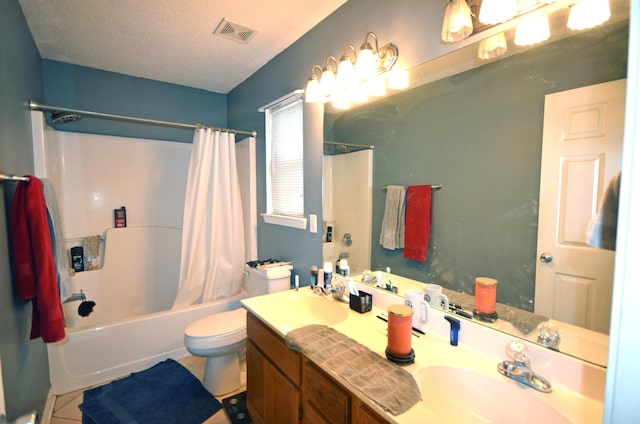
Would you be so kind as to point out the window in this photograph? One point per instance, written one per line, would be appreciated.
(284, 162)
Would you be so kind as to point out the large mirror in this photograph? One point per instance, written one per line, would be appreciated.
(476, 127)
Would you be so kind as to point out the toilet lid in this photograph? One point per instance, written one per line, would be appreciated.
(221, 324)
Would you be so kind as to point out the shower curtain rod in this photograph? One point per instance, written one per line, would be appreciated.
(130, 119)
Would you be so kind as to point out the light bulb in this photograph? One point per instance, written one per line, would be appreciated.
(358, 93)
(588, 13)
(341, 100)
(313, 93)
(457, 23)
(492, 47)
(366, 63)
(493, 12)
(532, 29)
(377, 86)
(328, 82)
(345, 73)
(398, 79)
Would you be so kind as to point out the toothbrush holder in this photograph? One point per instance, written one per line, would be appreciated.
(361, 303)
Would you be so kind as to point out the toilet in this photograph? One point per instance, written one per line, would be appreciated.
(221, 337)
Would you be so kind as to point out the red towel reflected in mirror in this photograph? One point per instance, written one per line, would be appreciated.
(418, 222)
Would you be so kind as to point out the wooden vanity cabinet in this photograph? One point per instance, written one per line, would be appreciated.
(323, 401)
(284, 387)
(273, 377)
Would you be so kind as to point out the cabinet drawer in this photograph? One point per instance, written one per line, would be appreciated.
(274, 348)
(325, 395)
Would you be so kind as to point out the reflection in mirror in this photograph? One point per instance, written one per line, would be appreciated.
(346, 231)
(479, 133)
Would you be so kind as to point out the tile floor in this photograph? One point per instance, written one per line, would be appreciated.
(66, 411)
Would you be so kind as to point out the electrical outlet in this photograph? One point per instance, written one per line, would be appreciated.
(313, 223)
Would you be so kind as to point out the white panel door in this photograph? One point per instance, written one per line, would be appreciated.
(581, 152)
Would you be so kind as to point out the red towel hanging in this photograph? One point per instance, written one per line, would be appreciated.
(36, 277)
(418, 222)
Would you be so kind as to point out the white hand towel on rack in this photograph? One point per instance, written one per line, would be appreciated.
(392, 234)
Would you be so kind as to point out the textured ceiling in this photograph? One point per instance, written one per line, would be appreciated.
(171, 40)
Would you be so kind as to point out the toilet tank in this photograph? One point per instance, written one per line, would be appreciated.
(264, 280)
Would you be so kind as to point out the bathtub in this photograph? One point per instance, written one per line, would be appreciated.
(133, 326)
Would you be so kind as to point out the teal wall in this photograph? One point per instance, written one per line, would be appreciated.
(414, 25)
(25, 372)
(79, 87)
(479, 134)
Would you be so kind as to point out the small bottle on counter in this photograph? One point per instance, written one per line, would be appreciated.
(328, 274)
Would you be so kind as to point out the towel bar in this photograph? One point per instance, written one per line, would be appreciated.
(6, 178)
(433, 187)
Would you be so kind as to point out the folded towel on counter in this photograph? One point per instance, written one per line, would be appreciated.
(384, 382)
(603, 228)
(392, 234)
(36, 277)
(418, 222)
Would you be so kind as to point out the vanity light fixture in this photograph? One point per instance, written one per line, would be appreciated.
(328, 80)
(532, 30)
(492, 47)
(346, 73)
(493, 12)
(457, 24)
(356, 77)
(588, 13)
(313, 92)
(530, 15)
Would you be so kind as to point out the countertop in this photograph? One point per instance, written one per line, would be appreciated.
(284, 311)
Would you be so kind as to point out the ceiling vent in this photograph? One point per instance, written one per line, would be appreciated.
(234, 31)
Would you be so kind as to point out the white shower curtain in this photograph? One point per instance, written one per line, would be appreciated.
(213, 254)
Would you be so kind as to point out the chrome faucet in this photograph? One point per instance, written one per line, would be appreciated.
(548, 335)
(518, 367)
(75, 296)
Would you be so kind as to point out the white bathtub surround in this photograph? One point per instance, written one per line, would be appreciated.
(213, 250)
(132, 327)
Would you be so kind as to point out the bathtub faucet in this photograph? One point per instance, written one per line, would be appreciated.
(75, 296)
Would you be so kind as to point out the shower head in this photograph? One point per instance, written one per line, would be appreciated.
(64, 117)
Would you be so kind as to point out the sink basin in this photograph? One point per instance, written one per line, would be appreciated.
(301, 310)
(463, 395)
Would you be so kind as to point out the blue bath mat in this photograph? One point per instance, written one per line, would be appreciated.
(165, 393)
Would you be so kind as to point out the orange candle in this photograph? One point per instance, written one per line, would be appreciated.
(486, 295)
(399, 329)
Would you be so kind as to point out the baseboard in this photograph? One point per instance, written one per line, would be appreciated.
(48, 408)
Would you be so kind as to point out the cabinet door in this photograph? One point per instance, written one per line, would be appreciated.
(282, 398)
(365, 415)
(324, 395)
(310, 415)
(255, 383)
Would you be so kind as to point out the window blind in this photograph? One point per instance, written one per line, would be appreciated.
(285, 155)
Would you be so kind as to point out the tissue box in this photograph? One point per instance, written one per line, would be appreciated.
(361, 303)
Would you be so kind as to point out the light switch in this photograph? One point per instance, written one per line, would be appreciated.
(313, 223)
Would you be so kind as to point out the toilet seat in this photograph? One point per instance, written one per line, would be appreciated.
(217, 330)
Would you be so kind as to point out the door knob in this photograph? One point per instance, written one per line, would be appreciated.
(546, 257)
